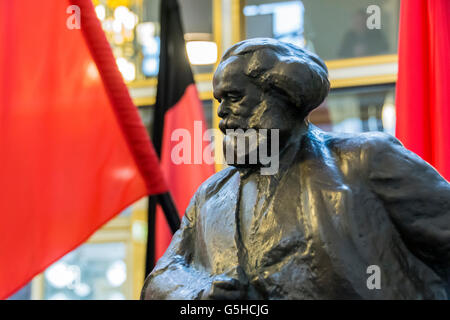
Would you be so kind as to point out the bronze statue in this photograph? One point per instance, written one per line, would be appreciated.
(339, 206)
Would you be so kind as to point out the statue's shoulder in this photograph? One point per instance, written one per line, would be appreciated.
(372, 144)
(359, 150)
(215, 182)
(365, 142)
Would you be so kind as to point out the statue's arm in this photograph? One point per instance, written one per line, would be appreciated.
(416, 197)
(173, 277)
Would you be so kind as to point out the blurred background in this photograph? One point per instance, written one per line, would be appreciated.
(363, 70)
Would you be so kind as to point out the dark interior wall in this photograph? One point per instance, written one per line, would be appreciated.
(196, 15)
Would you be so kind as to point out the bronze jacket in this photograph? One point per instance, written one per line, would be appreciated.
(342, 203)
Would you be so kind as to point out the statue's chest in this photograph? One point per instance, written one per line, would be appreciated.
(288, 232)
(280, 232)
(253, 223)
(270, 221)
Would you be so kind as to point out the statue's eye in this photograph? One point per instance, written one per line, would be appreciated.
(234, 97)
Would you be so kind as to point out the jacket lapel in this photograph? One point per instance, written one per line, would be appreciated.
(218, 223)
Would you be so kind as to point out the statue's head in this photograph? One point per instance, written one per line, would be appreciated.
(263, 83)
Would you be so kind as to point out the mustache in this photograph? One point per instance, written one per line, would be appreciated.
(233, 124)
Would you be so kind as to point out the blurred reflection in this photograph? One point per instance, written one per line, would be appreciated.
(330, 28)
(357, 109)
(361, 41)
(119, 20)
(92, 271)
(374, 100)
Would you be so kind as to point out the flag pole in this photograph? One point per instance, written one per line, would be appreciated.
(170, 212)
(165, 200)
(150, 256)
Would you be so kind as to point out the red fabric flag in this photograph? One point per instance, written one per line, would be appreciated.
(74, 152)
(423, 87)
(177, 107)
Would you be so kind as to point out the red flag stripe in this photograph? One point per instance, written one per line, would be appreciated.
(124, 108)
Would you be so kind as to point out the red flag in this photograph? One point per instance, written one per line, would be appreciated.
(177, 107)
(423, 87)
(74, 152)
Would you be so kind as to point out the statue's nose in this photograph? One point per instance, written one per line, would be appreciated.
(223, 110)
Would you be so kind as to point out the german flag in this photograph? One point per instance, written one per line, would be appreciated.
(177, 107)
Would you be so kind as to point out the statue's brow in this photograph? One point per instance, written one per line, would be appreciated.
(228, 90)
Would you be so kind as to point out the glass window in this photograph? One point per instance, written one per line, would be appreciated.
(94, 271)
(357, 109)
(282, 20)
(333, 29)
(22, 294)
(133, 30)
(119, 20)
